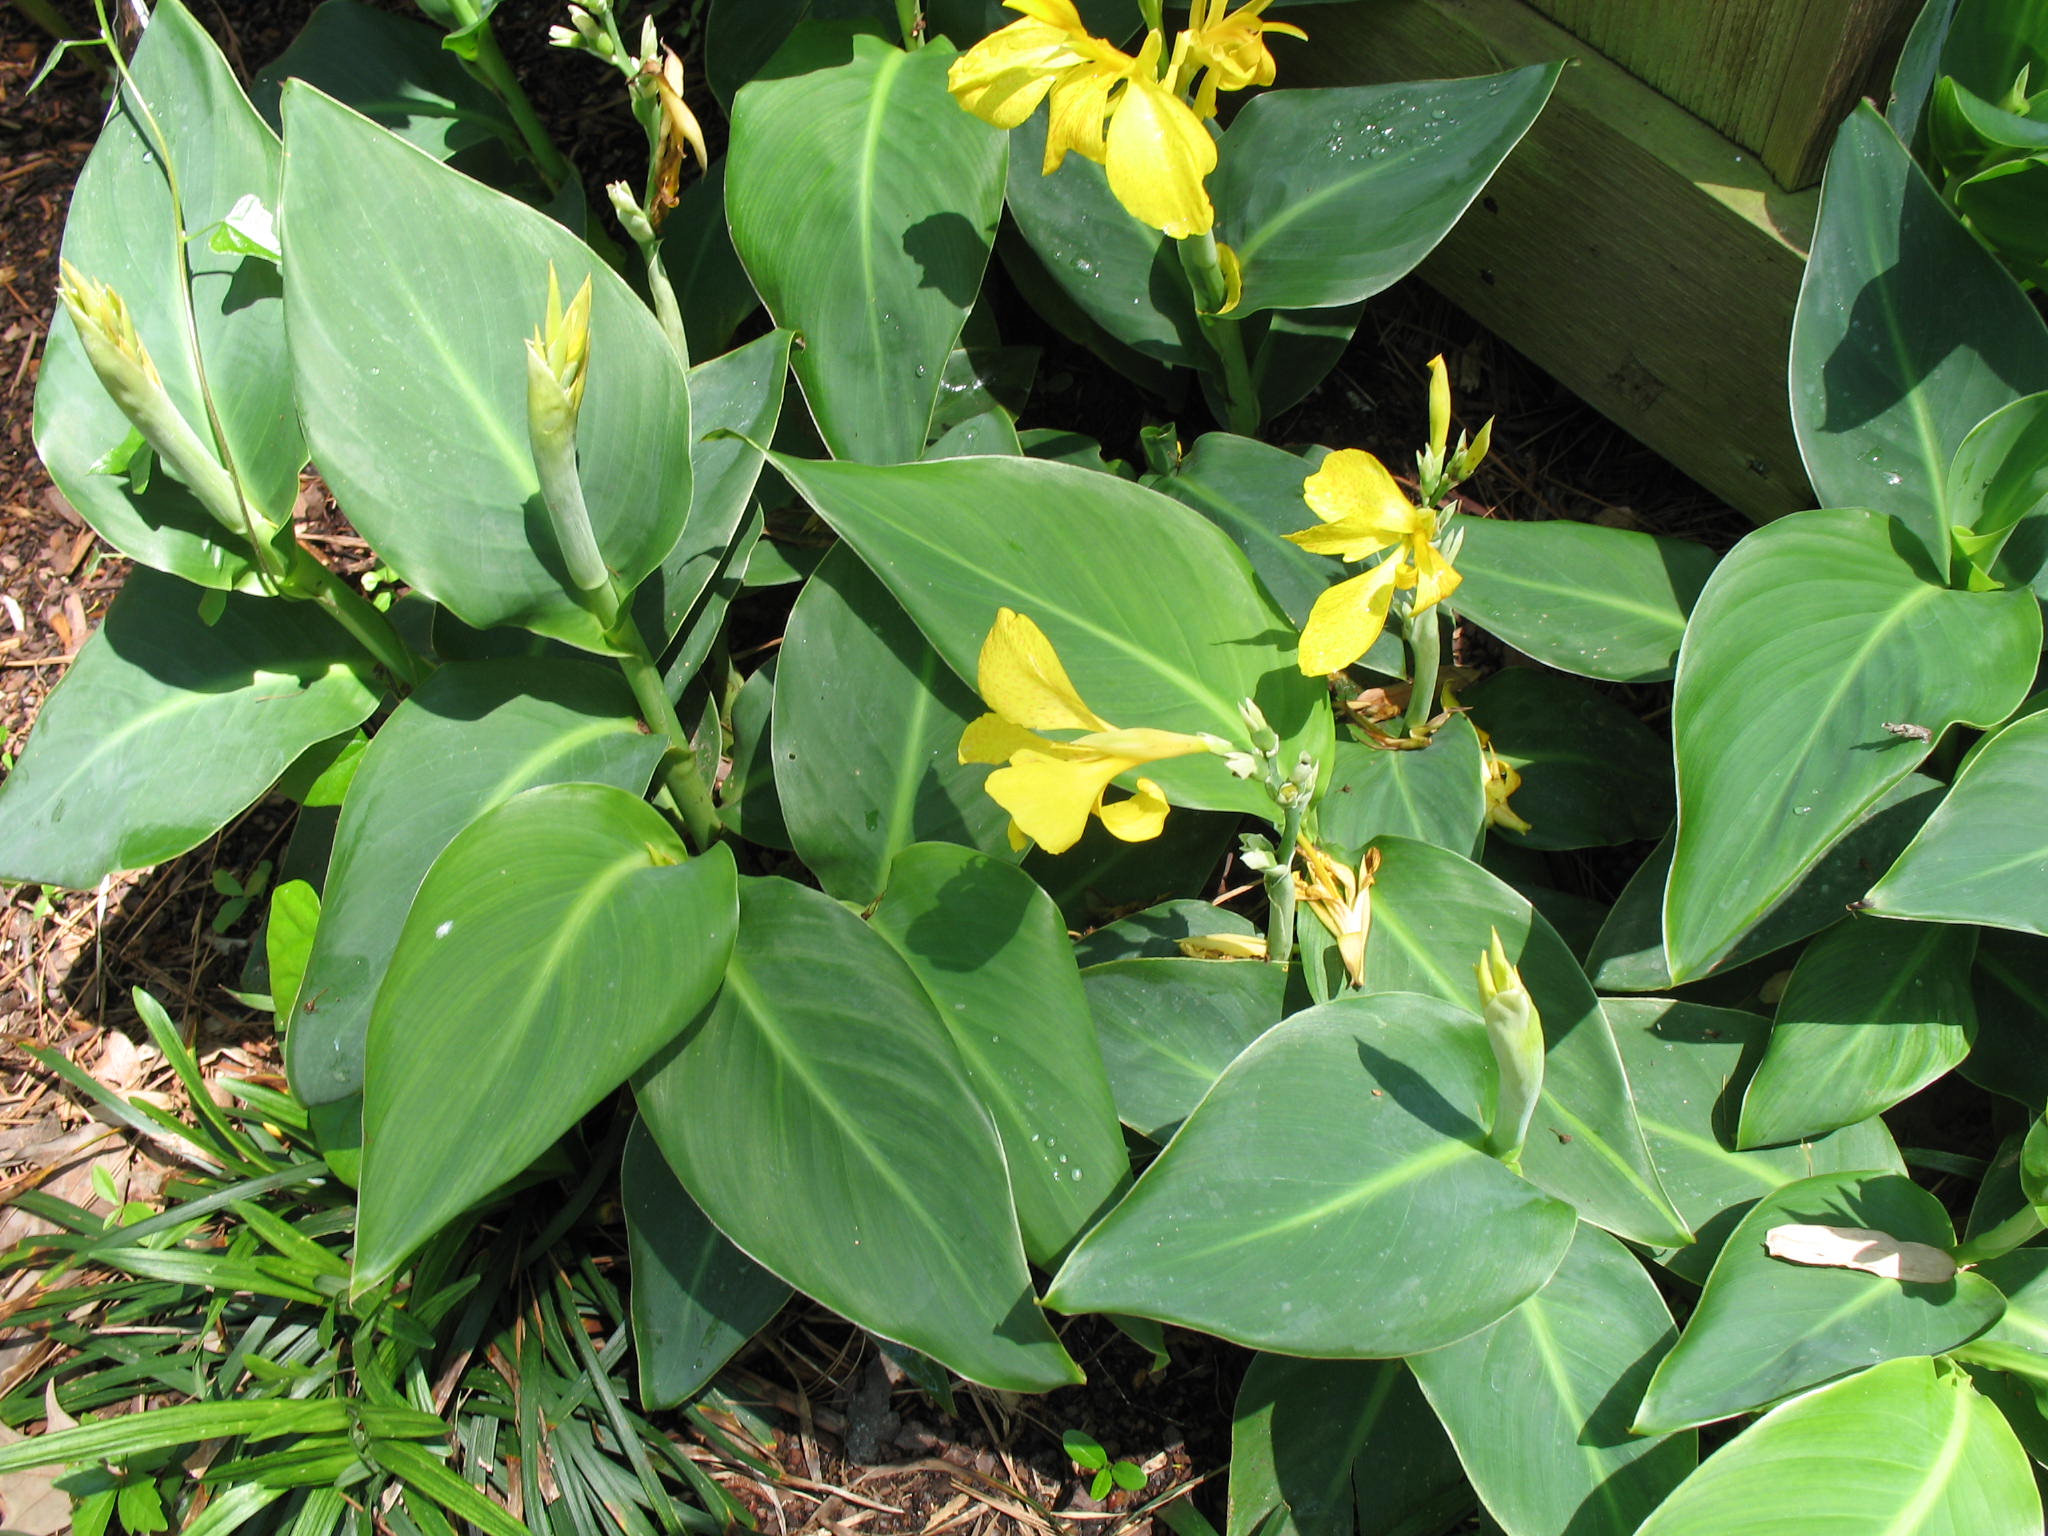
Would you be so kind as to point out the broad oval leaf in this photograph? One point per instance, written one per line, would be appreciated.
(1538, 1405)
(1436, 794)
(413, 292)
(863, 202)
(123, 230)
(1998, 493)
(1331, 196)
(1592, 773)
(1815, 634)
(883, 1193)
(557, 943)
(2012, 1017)
(1874, 1012)
(1432, 916)
(166, 727)
(1766, 1328)
(1908, 1448)
(1156, 932)
(867, 723)
(1284, 1213)
(1151, 609)
(1170, 1026)
(471, 737)
(1599, 602)
(1908, 333)
(1983, 855)
(696, 1299)
(1687, 1068)
(991, 951)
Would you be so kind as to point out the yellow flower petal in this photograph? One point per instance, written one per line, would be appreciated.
(1159, 153)
(1138, 819)
(1050, 797)
(1352, 485)
(991, 739)
(1021, 679)
(1435, 579)
(1439, 406)
(1080, 106)
(1347, 619)
(1141, 745)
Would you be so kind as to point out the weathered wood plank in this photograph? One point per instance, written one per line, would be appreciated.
(1773, 75)
(1634, 253)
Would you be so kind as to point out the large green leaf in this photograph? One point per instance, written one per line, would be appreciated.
(471, 737)
(1687, 1068)
(1766, 1328)
(1983, 855)
(864, 202)
(2018, 1341)
(166, 727)
(1303, 1429)
(696, 1299)
(413, 292)
(1169, 1026)
(1538, 1405)
(882, 1192)
(1100, 878)
(2012, 1017)
(1813, 635)
(867, 731)
(1156, 932)
(1432, 916)
(1907, 1448)
(1988, 42)
(558, 942)
(1592, 774)
(712, 289)
(991, 951)
(1330, 1196)
(1436, 794)
(1874, 1012)
(1153, 612)
(1330, 196)
(123, 230)
(1998, 493)
(1598, 602)
(1908, 333)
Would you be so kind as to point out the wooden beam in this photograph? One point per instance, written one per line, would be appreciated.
(1630, 250)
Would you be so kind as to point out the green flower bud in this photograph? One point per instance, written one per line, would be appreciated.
(1515, 1031)
(556, 357)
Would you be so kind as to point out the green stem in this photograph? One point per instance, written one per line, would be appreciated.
(911, 23)
(370, 628)
(1425, 646)
(680, 775)
(497, 74)
(2022, 1226)
(1204, 269)
(46, 16)
(666, 308)
(1280, 887)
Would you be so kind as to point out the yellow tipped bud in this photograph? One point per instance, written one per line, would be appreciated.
(1439, 408)
(562, 343)
(1515, 1030)
(557, 360)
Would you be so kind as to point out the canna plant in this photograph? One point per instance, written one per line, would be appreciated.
(891, 948)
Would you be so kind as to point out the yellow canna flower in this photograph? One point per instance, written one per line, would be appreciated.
(1230, 51)
(1364, 511)
(1106, 106)
(1501, 780)
(681, 134)
(1341, 899)
(1051, 788)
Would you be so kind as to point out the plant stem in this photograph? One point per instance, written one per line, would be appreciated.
(680, 775)
(1280, 887)
(1204, 271)
(46, 16)
(2022, 1226)
(370, 628)
(1425, 645)
(666, 309)
(497, 74)
(911, 23)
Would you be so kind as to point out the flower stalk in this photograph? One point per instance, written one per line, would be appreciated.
(1515, 1030)
(557, 363)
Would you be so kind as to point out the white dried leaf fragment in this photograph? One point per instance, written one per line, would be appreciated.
(1875, 1253)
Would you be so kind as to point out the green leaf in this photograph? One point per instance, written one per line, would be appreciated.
(558, 942)
(1687, 1068)
(696, 1299)
(1592, 774)
(2018, 1341)
(1154, 933)
(1099, 877)
(883, 1193)
(1988, 42)
(288, 940)
(1998, 493)
(1907, 1448)
(745, 35)
(411, 275)
(1293, 350)
(1538, 1404)
(166, 728)
(863, 202)
(1814, 634)
(1435, 795)
(1153, 612)
(712, 288)
(2012, 1017)
(1908, 333)
(123, 231)
(419, 1470)
(1628, 954)
(1874, 1012)
(1432, 917)
(1983, 853)
(135, 1434)
(1282, 1214)
(1598, 602)
(991, 951)
(1169, 1027)
(867, 736)
(1331, 196)
(747, 802)
(1300, 1430)
(471, 737)
(1766, 1328)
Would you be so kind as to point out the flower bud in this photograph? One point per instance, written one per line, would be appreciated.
(632, 217)
(1439, 408)
(1515, 1030)
(556, 359)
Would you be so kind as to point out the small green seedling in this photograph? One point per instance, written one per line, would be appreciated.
(1087, 1453)
(239, 893)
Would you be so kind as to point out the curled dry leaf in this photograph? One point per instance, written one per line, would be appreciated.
(1875, 1253)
